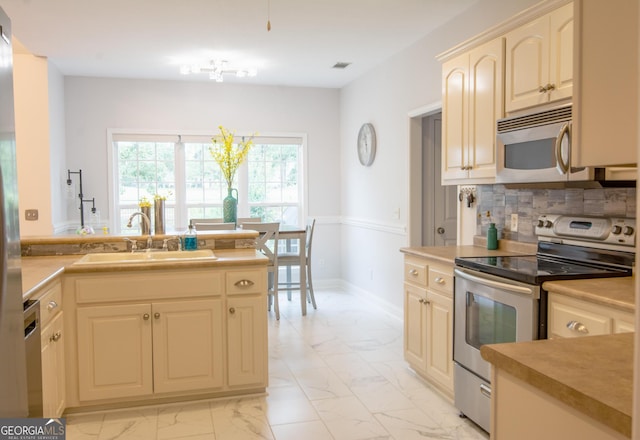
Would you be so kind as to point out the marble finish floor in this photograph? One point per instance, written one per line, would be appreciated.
(337, 373)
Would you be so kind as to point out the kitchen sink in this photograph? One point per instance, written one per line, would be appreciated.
(146, 257)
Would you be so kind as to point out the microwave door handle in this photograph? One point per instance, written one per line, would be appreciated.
(561, 165)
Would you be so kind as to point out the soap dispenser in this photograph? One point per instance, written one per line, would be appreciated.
(191, 239)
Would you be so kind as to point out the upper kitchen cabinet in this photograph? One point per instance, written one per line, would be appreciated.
(472, 101)
(539, 61)
(605, 115)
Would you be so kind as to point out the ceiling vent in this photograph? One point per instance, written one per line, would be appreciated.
(340, 65)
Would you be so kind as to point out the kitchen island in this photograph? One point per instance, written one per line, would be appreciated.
(128, 330)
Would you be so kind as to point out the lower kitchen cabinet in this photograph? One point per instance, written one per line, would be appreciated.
(147, 335)
(572, 317)
(428, 320)
(139, 349)
(53, 380)
(52, 349)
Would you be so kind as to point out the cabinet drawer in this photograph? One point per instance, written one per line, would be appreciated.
(415, 272)
(50, 302)
(441, 279)
(568, 321)
(246, 281)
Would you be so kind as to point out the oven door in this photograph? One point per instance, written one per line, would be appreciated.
(490, 310)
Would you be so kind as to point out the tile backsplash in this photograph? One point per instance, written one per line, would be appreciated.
(500, 202)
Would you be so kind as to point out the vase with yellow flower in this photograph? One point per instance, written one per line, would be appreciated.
(229, 154)
(145, 207)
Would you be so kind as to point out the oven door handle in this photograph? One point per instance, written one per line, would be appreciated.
(495, 284)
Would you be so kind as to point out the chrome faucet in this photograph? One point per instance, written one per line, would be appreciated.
(147, 222)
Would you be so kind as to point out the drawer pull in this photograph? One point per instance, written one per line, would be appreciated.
(577, 327)
(413, 272)
(52, 305)
(244, 283)
(232, 310)
(485, 390)
(55, 337)
(439, 280)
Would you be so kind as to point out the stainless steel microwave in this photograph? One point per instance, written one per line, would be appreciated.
(536, 147)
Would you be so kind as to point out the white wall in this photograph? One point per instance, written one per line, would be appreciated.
(93, 105)
(409, 80)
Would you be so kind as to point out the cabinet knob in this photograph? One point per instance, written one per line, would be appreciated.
(52, 305)
(577, 326)
(542, 89)
(145, 316)
(156, 315)
(56, 336)
(244, 283)
(424, 301)
(232, 310)
(439, 280)
(551, 87)
(413, 272)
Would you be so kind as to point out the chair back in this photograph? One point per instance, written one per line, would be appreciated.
(213, 226)
(268, 232)
(195, 221)
(249, 220)
(311, 225)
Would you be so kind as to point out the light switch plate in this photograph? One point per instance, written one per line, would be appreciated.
(31, 214)
(514, 222)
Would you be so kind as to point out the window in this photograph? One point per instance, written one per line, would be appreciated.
(180, 168)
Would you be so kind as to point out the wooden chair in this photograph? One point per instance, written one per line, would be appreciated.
(213, 226)
(267, 243)
(242, 220)
(292, 259)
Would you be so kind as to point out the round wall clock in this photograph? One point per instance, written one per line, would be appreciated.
(366, 144)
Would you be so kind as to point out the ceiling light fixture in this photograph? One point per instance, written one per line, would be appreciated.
(217, 69)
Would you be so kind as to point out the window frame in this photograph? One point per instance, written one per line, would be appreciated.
(177, 137)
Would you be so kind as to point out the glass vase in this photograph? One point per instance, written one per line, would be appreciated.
(230, 207)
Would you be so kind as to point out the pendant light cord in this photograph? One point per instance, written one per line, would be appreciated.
(268, 15)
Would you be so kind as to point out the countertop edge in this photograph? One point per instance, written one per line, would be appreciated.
(501, 356)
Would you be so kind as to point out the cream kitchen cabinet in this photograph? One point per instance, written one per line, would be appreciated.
(605, 115)
(139, 349)
(147, 335)
(52, 339)
(539, 61)
(572, 317)
(428, 325)
(472, 101)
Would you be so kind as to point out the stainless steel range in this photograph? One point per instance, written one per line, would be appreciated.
(500, 299)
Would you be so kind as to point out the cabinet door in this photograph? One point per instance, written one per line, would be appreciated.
(561, 53)
(114, 351)
(455, 82)
(440, 339)
(527, 65)
(486, 83)
(415, 327)
(247, 340)
(53, 378)
(187, 345)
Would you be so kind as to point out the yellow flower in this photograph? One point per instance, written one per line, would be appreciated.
(229, 155)
(144, 203)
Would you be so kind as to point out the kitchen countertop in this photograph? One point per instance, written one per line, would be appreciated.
(37, 271)
(447, 254)
(577, 371)
(612, 292)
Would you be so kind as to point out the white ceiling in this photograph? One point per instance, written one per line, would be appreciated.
(152, 38)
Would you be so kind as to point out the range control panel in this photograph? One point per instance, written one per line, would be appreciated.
(609, 230)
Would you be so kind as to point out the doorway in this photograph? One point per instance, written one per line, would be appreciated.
(439, 203)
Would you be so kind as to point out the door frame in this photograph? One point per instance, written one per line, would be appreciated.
(416, 196)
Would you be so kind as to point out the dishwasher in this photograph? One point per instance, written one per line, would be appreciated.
(34, 357)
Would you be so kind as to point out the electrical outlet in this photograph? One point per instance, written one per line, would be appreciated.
(514, 222)
(31, 214)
